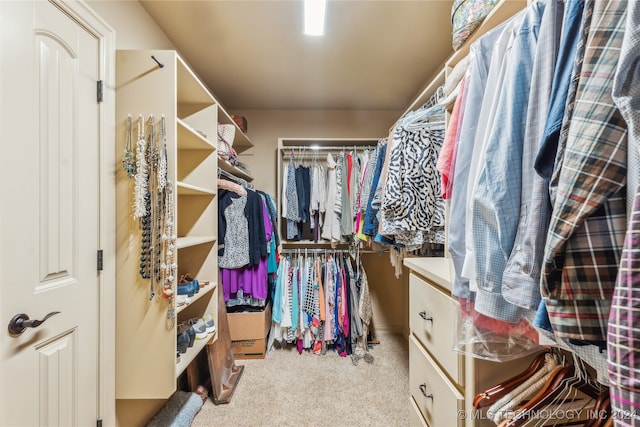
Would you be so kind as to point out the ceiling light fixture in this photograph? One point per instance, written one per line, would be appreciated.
(314, 17)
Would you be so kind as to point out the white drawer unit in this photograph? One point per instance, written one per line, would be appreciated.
(443, 382)
(436, 397)
(432, 320)
(415, 417)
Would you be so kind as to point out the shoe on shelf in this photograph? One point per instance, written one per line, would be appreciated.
(183, 342)
(182, 300)
(210, 323)
(188, 288)
(186, 279)
(200, 328)
(185, 327)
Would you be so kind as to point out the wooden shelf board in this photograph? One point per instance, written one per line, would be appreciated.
(228, 167)
(203, 291)
(185, 189)
(187, 358)
(191, 139)
(190, 90)
(186, 242)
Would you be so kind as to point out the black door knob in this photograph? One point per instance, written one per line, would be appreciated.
(20, 322)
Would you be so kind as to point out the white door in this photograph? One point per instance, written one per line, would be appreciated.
(49, 216)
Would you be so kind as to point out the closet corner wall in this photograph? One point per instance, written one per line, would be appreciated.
(443, 383)
(147, 370)
(388, 294)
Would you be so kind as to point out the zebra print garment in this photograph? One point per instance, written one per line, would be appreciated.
(413, 208)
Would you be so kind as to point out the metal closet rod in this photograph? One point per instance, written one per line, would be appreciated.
(325, 148)
(231, 177)
(314, 250)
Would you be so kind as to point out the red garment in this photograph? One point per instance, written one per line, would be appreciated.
(488, 325)
(445, 162)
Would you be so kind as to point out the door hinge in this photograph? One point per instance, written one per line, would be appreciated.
(99, 259)
(99, 94)
(98, 422)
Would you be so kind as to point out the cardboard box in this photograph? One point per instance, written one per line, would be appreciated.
(249, 349)
(249, 332)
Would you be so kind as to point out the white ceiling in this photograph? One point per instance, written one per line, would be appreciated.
(375, 55)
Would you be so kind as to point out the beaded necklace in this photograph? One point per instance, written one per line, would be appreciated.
(128, 163)
(142, 199)
(155, 203)
(154, 207)
(141, 176)
(168, 237)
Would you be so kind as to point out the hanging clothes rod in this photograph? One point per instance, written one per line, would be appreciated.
(231, 177)
(311, 149)
(313, 251)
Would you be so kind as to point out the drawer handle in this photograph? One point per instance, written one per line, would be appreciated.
(423, 314)
(423, 389)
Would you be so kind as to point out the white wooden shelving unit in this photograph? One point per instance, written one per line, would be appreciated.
(145, 347)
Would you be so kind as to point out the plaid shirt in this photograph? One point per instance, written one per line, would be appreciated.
(587, 224)
(623, 339)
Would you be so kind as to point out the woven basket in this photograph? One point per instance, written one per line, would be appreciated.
(226, 135)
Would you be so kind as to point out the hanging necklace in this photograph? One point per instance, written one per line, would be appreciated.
(141, 177)
(168, 266)
(128, 163)
(162, 162)
(141, 200)
(152, 198)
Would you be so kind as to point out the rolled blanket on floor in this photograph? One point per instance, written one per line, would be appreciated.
(179, 411)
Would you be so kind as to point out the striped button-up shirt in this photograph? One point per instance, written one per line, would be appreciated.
(479, 60)
(521, 279)
(496, 199)
(588, 220)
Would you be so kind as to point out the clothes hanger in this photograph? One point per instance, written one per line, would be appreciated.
(574, 400)
(570, 379)
(493, 394)
(601, 411)
(515, 398)
(429, 108)
(552, 383)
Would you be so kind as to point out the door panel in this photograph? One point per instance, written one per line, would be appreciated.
(50, 216)
(57, 378)
(57, 75)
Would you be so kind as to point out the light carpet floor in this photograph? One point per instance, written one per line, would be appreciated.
(291, 389)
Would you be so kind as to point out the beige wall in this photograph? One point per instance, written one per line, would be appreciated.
(264, 127)
(389, 295)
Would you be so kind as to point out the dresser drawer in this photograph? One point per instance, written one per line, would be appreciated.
(415, 417)
(432, 315)
(436, 397)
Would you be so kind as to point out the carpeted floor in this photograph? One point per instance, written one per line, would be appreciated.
(291, 389)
